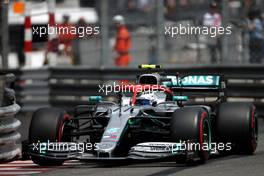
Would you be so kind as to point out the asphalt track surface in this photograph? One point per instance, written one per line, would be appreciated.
(234, 165)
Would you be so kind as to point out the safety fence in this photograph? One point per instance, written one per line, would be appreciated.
(9, 137)
(146, 21)
(67, 87)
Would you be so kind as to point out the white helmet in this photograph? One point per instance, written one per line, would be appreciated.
(146, 98)
(119, 19)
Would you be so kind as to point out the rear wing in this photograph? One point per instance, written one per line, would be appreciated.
(194, 82)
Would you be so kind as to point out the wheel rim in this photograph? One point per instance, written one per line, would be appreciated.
(206, 133)
(254, 134)
(61, 127)
(205, 136)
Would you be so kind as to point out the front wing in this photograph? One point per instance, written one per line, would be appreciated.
(149, 151)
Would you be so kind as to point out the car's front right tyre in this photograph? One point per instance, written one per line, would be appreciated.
(47, 124)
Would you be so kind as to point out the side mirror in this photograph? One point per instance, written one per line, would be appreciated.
(180, 98)
(95, 98)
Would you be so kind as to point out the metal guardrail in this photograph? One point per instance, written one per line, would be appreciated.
(66, 87)
(9, 137)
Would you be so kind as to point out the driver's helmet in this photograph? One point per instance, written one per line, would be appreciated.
(146, 98)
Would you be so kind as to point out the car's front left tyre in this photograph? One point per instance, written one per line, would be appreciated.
(192, 124)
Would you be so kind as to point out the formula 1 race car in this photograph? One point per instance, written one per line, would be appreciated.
(155, 119)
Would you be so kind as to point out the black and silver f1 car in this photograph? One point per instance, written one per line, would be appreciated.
(155, 119)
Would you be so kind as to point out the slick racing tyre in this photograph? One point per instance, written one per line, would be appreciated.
(192, 124)
(47, 124)
(237, 124)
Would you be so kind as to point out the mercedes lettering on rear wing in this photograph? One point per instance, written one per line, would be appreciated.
(194, 82)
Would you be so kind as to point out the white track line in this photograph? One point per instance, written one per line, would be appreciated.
(28, 167)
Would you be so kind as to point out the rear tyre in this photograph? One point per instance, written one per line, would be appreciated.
(47, 124)
(192, 124)
(237, 124)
